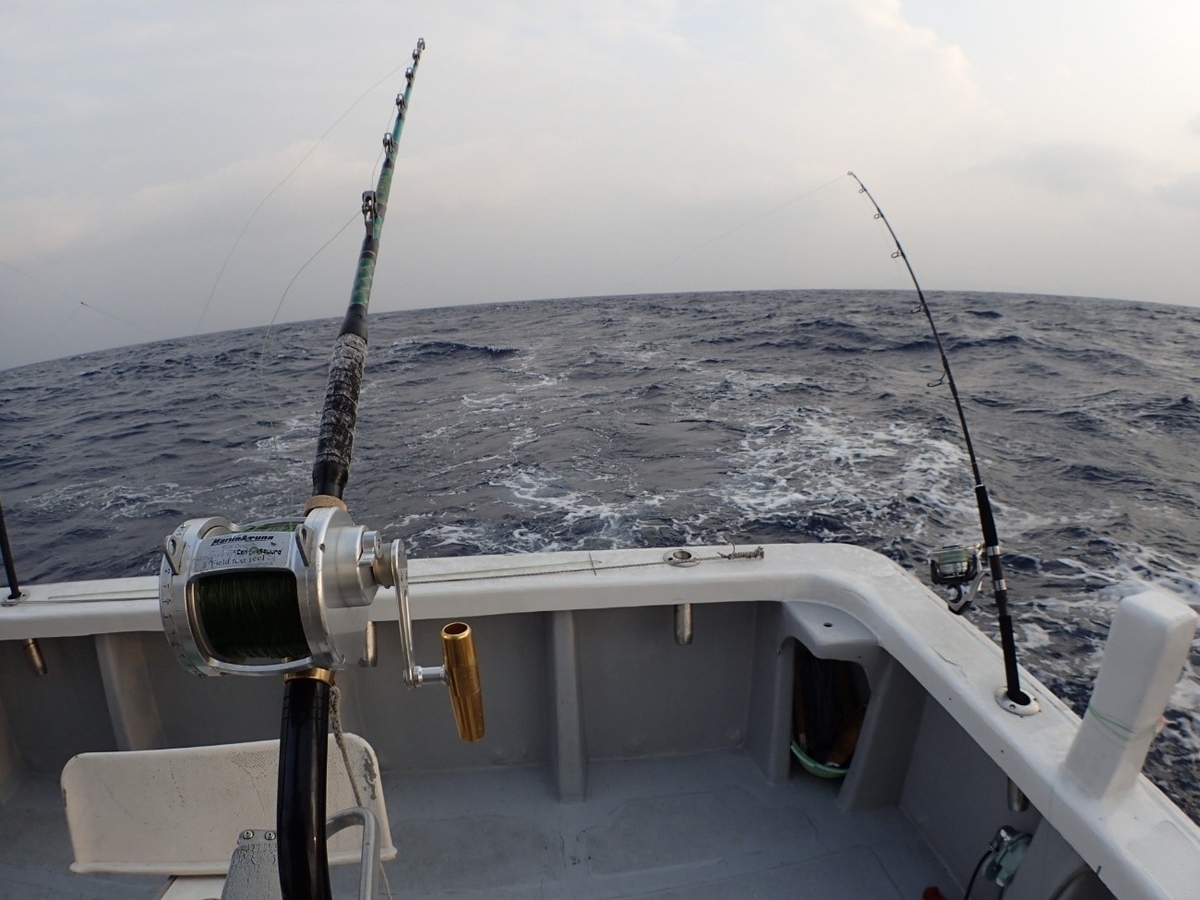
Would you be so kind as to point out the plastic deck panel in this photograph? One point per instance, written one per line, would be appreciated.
(705, 826)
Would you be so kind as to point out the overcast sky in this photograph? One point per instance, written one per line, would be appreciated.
(561, 149)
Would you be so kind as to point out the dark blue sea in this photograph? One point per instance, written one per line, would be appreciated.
(656, 421)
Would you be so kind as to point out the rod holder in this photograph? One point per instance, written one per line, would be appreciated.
(1147, 648)
(683, 624)
(33, 655)
(462, 677)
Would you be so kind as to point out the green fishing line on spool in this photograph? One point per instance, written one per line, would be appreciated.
(251, 615)
(277, 525)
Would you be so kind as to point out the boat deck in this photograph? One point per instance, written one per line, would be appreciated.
(696, 827)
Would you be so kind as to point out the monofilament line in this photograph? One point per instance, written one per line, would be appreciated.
(271, 193)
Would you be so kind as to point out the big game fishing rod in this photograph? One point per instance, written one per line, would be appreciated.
(303, 746)
(291, 596)
(332, 467)
(1013, 698)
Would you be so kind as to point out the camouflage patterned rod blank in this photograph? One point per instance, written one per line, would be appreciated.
(331, 470)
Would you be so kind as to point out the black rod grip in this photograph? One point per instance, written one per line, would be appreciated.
(300, 812)
(10, 568)
(987, 521)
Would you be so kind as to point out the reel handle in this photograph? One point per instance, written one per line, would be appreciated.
(460, 668)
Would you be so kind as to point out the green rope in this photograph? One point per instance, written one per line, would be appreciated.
(1122, 731)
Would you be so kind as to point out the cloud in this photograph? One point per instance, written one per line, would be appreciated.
(107, 216)
(1068, 167)
(551, 149)
(1183, 191)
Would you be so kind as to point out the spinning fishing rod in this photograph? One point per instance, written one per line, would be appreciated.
(958, 566)
(291, 596)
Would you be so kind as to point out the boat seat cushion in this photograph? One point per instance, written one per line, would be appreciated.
(179, 811)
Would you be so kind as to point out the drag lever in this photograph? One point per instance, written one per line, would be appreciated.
(459, 670)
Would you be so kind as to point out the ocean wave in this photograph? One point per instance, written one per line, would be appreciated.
(441, 350)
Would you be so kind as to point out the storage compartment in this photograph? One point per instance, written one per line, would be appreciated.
(829, 705)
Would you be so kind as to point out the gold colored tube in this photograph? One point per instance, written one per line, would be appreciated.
(33, 653)
(462, 676)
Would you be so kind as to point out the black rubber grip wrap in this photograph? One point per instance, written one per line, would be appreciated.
(335, 442)
(300, 812)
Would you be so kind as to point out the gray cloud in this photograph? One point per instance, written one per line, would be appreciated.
(1183, 191)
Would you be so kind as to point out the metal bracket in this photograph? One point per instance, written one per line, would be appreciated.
(173, 553)
(1032, 708)
(680, 558)
(253, 868)
(254, 865)
(370, 206)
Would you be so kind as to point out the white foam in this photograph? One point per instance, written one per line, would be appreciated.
(115, 500)
(820, 461)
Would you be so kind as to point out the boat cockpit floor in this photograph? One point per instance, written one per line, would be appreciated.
(679, 828)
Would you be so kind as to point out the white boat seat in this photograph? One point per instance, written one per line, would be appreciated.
(180, 811)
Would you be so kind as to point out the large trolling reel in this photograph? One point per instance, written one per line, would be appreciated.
(292, 595)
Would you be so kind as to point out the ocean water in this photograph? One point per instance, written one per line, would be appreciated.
(657, 421)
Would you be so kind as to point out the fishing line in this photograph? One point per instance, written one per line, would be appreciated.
(119, 319)
(56, 293)
(262, 350)
(1019, 701)
(273, 423)
(54, 331)
(744, 224)
(251, 615)
(271, 193)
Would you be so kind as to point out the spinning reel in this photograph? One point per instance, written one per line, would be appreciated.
(954, 567)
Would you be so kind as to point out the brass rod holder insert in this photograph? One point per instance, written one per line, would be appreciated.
(33, 654)
(462, 677)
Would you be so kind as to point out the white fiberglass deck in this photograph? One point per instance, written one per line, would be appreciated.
(698, 827)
